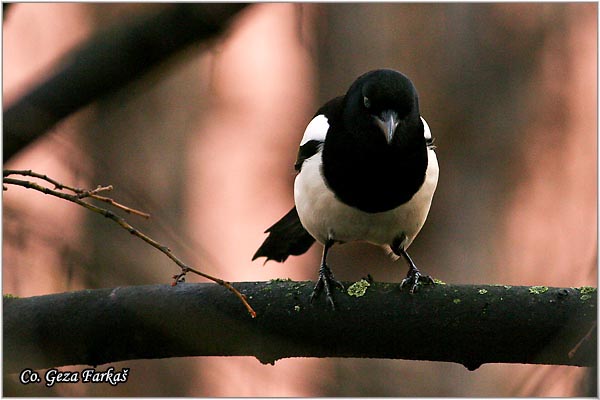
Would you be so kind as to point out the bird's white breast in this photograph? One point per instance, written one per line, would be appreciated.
(325, 217)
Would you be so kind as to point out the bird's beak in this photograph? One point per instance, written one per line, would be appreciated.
(387, 122)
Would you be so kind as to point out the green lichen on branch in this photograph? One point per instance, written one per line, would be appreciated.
(586, 292)
(586, 289)
(538, 289)
(359, 288)
(279, 280)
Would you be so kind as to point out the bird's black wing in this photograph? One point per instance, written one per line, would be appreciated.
(331, 111)
(429, 142)
(307, 150)
(287, 237)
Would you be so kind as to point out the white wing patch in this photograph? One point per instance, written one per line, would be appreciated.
(316, 129)
(427, 131)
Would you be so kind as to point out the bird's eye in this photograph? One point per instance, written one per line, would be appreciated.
(367, 102)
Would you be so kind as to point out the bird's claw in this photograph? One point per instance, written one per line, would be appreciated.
(326, 280)
(413, 278)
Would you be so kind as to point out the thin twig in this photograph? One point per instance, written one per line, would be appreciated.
(585, 338)
(94, 192)
(119, 220)
(113, 203)
(81, 193)
(28, 172)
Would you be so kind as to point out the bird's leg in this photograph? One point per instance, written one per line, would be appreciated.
(326, 278)
(414, 275)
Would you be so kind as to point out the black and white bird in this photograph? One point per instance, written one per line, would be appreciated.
(367, 171)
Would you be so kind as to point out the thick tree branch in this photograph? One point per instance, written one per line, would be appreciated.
(466, 324)
(109, 61)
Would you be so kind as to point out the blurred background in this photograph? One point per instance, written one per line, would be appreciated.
(206, 144)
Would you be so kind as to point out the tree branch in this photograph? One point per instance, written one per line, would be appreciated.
(109, 61)
(466, 324)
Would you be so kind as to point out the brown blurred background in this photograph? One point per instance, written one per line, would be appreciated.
(207, 142)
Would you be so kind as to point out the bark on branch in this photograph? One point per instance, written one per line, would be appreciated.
(466, 324)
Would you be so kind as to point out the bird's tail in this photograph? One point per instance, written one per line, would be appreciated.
(287, 237)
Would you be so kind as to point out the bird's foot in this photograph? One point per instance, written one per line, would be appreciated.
(413, 278)
(327, 281)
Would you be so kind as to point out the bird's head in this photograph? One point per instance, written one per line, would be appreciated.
(387, 100)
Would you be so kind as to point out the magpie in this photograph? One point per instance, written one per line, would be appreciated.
(366, 171)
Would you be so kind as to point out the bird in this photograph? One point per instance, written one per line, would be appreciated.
(366, 171)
